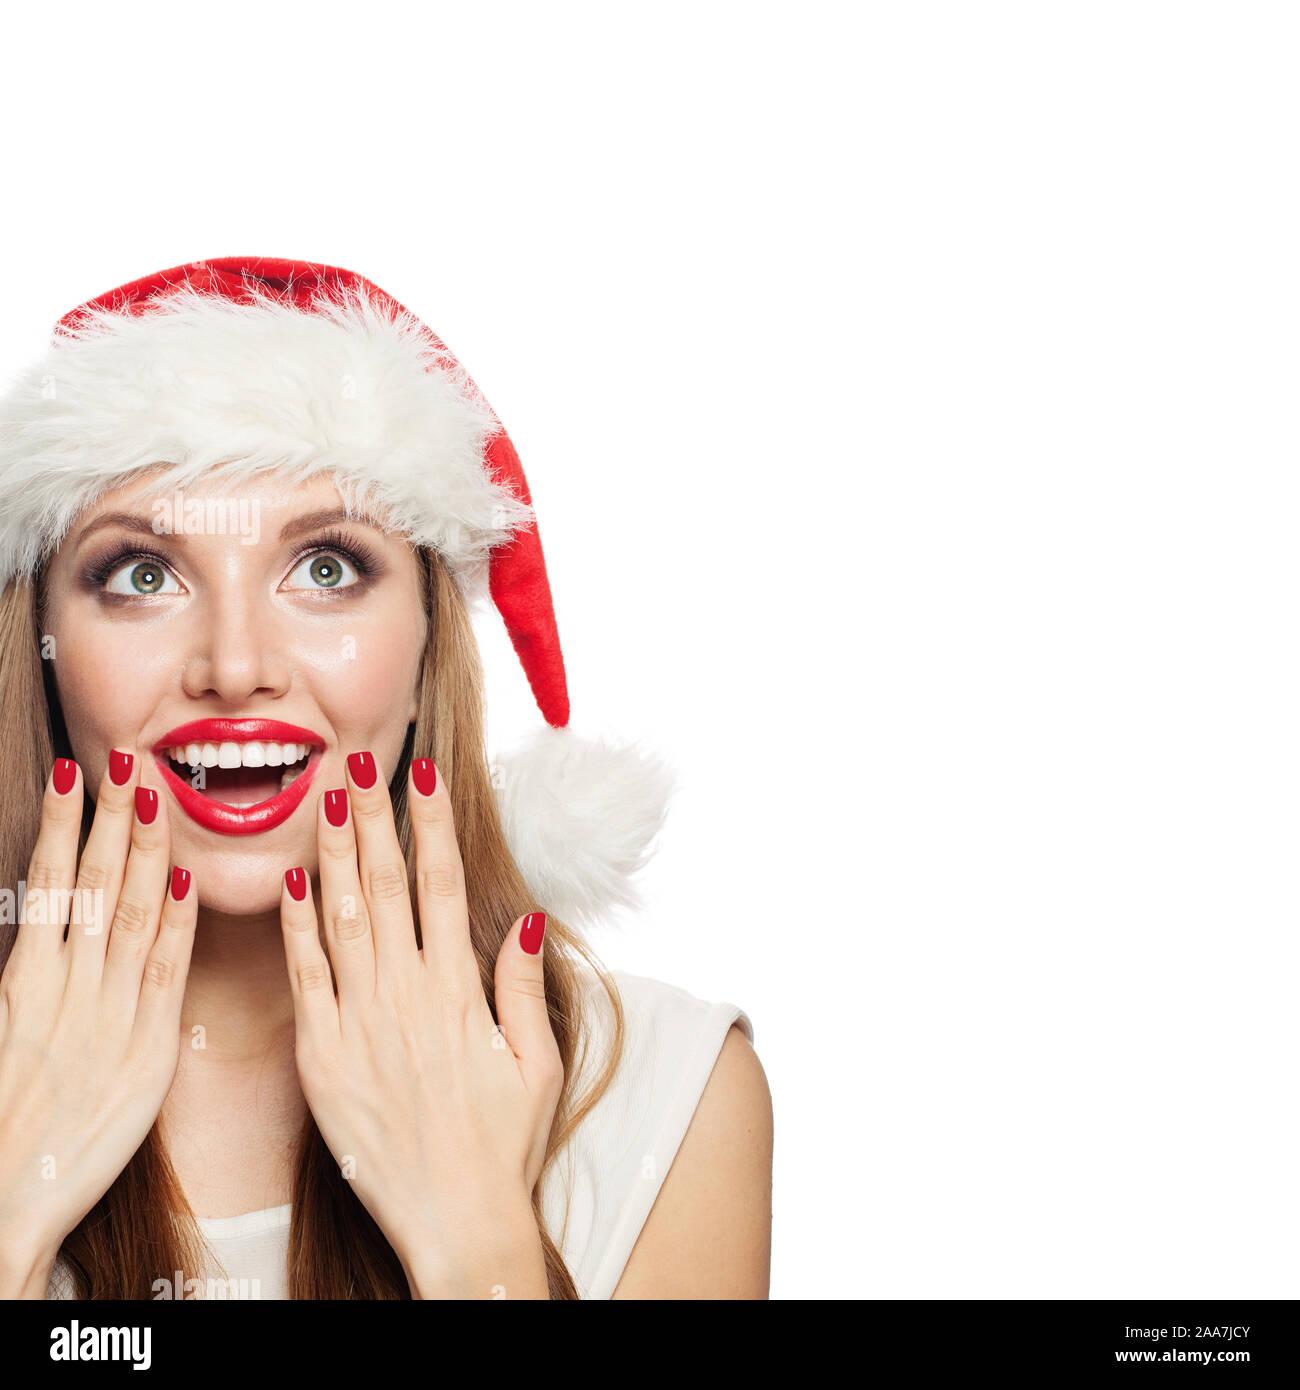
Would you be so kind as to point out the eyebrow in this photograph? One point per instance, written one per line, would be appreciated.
(327, 516)
(128, 521)
(309, 521)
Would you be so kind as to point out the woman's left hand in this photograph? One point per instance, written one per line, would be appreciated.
(439, 1117)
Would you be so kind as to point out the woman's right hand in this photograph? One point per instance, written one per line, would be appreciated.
(90, 1026)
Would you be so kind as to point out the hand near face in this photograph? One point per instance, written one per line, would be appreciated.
(90, 1026)
(438, 1117)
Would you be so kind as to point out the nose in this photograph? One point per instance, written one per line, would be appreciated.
(234, 649)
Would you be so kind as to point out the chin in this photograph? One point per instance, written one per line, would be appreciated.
(243, 874)
(255, 895)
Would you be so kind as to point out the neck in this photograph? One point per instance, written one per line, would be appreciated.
(236, 1091)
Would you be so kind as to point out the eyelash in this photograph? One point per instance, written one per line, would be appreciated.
(99, 571)
(359, 555)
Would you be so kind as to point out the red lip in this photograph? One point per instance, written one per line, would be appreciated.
(238, 820)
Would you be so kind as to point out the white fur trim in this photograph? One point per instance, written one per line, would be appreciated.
(213, 388)
(579, 816)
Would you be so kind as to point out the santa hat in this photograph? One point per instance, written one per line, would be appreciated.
(238, 366)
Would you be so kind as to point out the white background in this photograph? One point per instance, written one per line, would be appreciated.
(908, 394)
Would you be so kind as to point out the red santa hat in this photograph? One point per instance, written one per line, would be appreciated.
(243, 365)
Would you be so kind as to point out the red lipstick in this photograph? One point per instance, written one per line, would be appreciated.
(219, 816)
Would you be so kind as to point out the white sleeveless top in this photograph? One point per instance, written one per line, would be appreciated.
(599, 1190)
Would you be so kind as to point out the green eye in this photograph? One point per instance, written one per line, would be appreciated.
(324, 570)
(145, 577)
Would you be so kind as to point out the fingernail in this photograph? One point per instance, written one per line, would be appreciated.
(119, 767)
(65, 775)
(424, 775)
(180, 883)
(296, 882)
(336, 807)
(146, 804)
(362, 768)
(532, 931)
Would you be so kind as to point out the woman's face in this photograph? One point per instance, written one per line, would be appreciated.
(255, 602)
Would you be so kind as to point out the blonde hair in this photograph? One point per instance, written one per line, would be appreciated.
(143, 1223)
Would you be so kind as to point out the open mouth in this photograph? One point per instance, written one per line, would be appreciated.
(238, 776)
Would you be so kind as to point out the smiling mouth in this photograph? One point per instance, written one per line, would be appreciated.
(239, 775)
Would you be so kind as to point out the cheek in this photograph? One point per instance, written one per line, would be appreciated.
(107, 686)
(363, 678)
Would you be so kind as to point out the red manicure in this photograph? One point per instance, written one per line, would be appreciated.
(362, 768)
(119, 767)
(532, 931)
(424, 775)
(296, 882)
(65, 775)
(336, 807)
(146, 804)
(180, 883)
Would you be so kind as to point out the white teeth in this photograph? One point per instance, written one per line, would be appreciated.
(290, 773)
(240, 754)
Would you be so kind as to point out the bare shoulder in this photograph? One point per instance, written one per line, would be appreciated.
(709, 1233)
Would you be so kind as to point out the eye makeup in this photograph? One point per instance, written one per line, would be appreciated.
(362, 557)
(97, 570)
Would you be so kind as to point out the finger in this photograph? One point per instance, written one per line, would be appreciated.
(138, 913)
(167, 966)
(440, 882)
(382, 867)
(315, 1009)
(103, 865)
(347, 919)
(521, 1005)
(52, 870)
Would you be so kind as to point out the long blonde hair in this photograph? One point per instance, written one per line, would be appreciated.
(143, 1224)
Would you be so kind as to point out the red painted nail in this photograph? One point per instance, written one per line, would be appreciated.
(362, 768)
(180, 883)
(336, 807)
(119, 767)
(424, 775)
(532, 931)
(146, 804)
(65, 775)
(296, 882)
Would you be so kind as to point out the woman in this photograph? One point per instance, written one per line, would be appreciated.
(294, 997)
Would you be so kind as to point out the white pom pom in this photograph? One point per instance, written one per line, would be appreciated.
(579, 815)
